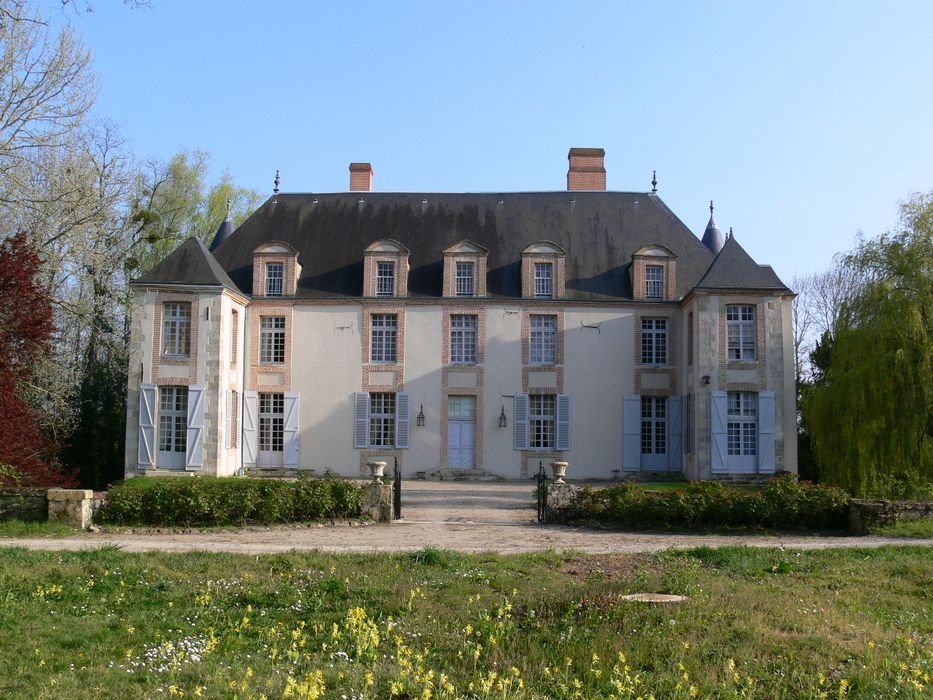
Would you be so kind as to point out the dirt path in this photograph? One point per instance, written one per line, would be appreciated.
(468, 517)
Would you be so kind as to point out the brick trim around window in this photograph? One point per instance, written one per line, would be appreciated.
(262, 376)
(158, 359)
(645, 374)
(760, 361)
(527, 313)
(374, 373)
(290, 267)
(466, 309)
(667, 263)
(558, 279)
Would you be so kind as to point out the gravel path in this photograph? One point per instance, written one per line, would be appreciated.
(464, 516)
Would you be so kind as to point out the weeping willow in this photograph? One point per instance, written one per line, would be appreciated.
(872, 418)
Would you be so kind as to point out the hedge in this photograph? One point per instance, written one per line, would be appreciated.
(784, 504)
(209, 502)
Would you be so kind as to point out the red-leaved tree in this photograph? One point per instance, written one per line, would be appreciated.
(25, 336)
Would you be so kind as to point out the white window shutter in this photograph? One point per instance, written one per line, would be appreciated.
(291, 430)
(361, 419)
(250, 428)
(631, 433)
(194, 458)
(403, 420)
(228, 420)
(675, 432)
(520, 422)
(563, 421)
(766, 432)
(148, 396)
(718, 430)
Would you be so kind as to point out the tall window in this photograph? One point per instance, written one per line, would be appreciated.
(382, 420)
(542, 409)
(176, 328)
(654, 281)
(464, 279)
(384, 338)
(275, 277)
(543, 341)
(463, 340)
(272, 340)
(234, 335)
(740, 331)
(654, 341)
(743, 423)
(271, 422)
(544, 280)
(653, 425)
(385, 279)
(233, 421)
(173, 418)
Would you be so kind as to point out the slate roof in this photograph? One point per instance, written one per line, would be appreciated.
(599, 230)
(191, 263)
(733, 268)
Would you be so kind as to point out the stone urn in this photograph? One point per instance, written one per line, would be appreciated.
(377, 470)
(560, 471)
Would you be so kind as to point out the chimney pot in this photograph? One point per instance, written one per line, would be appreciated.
(587, 169)
(361, 177)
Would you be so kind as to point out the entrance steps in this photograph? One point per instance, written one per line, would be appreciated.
(451, 474)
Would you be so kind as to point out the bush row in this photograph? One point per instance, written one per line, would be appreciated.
(784, 503)
(207, 502)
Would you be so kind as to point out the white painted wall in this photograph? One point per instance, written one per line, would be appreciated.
(502, 375)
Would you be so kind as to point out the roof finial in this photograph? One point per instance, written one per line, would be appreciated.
(711, 207)
(229, 206)
(654, 180)
(730, 232)
(278, 181)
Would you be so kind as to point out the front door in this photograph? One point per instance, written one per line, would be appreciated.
(461, 432)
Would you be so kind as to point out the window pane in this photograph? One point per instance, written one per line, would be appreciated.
(543, 340)
(464, 279)
(654, 281)
(463, 339)
(176, 328)
(275, 274)
(544, 280)
(382, 419)
(272, 339)
(385, 279)
(383, 338)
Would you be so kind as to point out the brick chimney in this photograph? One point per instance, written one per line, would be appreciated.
(361, 177)
(587, 170)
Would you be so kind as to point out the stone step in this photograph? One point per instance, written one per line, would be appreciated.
(449, 474)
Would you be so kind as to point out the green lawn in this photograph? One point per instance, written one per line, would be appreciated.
(19, 528)
(758, 623)
(906, 528)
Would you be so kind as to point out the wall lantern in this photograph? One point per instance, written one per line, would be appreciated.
(420, 419)
(503, 421)
(705, 380)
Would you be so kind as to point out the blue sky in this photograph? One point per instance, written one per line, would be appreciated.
(805, 121)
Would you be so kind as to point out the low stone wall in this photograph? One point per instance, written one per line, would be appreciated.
(30, 505)
(865, 515)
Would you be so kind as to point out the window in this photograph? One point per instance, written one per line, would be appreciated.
(385, 279)
(740, 331)
(654, 341)
(384, 337)
(176, 329)
(275, 277)
(654, 281)
(382, 420)
(233, 418)
(272, 340)
(543, 342)
(544, 280)
(463, 340)
(173, 419)
(742, 423)
(271, 422)
(653, 425)
(464, 279)
(542, 409)
(234, 335)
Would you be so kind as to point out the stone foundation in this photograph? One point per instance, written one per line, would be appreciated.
(865, 515)
(29, 505)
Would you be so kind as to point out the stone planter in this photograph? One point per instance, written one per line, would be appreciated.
(377, 470)
(560, 471)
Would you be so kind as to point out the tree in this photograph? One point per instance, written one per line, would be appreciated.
(871, 415)
(25, 336)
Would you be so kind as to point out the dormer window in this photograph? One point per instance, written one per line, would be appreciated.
(385, 279)
(466, 272)
(275, 279)
(544, 280)
(654, 274)
(654, 282)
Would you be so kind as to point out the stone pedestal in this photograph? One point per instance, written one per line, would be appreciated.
(378, 500)
(559, 500)
(70, 507)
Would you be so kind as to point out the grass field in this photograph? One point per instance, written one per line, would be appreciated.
(435, 624)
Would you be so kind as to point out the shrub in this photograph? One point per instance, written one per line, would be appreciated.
(212, 502)
(784, 503)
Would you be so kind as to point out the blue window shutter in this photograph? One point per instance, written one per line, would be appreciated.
(675, 432)
(291, 430)
(631, 433)
(520, 422)
(250, 428)
(718, 430)
(563, 422)
(148, 396)
(766, 432)
(361, 419)
(194, 457)
(403, 420)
